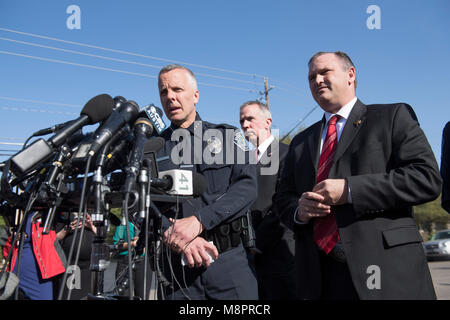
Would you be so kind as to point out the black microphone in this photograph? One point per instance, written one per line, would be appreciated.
(95, 110)
(52, 129)
(117, 156)
(118, 102)
(167, 183)
(143, 130)
(118, 118)
(154, 114)
(154, 145)
(105, 151)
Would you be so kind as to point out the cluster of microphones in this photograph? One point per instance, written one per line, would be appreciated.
(125, 143)
(115, 166)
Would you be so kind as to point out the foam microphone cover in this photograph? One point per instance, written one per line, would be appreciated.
(98, 108)
(154, 144)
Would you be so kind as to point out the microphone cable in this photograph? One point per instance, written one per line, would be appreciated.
(147, 215)
(80, 209)
(80, 241)
(127, 228)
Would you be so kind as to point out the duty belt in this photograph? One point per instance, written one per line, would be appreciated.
(227, 236)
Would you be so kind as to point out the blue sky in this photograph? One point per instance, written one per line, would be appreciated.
(230, 45)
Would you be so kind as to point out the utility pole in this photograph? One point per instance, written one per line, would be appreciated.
(266, 92)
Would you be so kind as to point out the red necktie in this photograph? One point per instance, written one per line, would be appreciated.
(325, 229)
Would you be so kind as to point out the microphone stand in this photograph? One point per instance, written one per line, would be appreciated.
(48, 192)
(100, 251)
(144, 202)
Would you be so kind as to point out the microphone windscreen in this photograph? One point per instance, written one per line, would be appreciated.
(198, 184)
(154, 144)
(98, 108)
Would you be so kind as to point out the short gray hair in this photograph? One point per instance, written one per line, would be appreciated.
(262, 107)
(345, 59)
(171, 67)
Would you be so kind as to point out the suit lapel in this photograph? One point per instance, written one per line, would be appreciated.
(272, 148)
(352, 126)
(314, 142)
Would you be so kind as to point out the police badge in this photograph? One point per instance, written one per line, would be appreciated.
(214, 145)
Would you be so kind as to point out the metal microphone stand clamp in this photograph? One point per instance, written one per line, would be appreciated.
(50, 194)
(100, 256)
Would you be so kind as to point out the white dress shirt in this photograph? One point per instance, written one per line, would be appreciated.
(264, 145)
(344, 112)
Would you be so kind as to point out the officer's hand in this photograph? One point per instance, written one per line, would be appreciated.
(310, 206)
(197, 250)
(182, 232)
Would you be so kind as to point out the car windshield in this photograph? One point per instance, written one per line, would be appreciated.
(442, 235)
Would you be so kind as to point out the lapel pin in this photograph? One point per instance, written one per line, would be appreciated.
(357, 122)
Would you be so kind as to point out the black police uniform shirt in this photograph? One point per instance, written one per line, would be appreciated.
(220, 153)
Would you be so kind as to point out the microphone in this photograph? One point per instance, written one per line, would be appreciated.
(95, 110)
(118, 102)
(118, 118)
(154, 145)
(143, 130)
(154, 114)
(180, 182)
(52, 129)
(105, 152)
(117, 156)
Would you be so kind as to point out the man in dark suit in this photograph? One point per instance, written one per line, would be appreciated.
(274, 246)
(445, 168)
(347, 189)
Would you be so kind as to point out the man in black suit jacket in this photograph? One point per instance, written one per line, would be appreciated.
(382, 166)
(274, 246)
(445, 168)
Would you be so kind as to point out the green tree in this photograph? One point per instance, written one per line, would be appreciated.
(430, 216)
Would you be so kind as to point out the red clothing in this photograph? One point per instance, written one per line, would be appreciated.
(46, 249)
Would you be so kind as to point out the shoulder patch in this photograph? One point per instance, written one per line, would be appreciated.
(240, 141)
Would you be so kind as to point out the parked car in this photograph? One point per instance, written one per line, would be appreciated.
(438, 246)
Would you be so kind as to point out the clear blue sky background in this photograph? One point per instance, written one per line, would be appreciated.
(407, 60)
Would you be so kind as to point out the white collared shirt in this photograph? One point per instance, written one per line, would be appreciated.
(264, 145)
(344, 112)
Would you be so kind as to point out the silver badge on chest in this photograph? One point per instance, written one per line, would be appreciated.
(214, 145)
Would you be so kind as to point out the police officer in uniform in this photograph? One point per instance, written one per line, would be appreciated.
(213, 225)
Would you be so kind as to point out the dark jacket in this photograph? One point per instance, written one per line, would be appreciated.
(389, 166)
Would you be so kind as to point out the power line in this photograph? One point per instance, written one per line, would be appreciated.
(20, 109)
(112, 70)
(131, 53)
(119, 60)
(40, 102)
(147, 65)
(12, 143)
(300, 122)
(76, 64)
(5, 138)
(287, 90)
